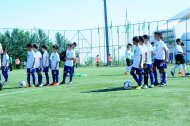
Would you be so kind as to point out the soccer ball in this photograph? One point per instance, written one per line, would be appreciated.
(1, 86)
(127, 85)
(22, 84)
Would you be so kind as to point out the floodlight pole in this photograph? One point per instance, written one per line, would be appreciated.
(106, 29)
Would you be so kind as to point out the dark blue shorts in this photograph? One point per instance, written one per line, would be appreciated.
(68, 69)
(5, 69)
(39, 69)
(31, 70)
(46, 70)
(159, 64)
(137, 70)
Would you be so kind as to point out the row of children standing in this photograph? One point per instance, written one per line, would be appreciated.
(36, 63)
(146, 60)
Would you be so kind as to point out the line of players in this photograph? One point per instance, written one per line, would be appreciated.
(146, 59)
(36, 63)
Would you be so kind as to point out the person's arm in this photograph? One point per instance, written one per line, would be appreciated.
(46, 62)
(146, 57)
(165, 51)
(34, 63)
(140, 61)
(57, 65)
(152, 54)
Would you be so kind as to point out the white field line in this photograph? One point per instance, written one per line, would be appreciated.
(24, 91)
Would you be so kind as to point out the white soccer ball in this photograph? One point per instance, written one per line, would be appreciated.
(22, 84)
(127, 85)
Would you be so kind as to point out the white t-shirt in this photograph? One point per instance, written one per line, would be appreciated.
(70, 54)
(144, 50)
(38, 57)
(159, 50)
(5, 58)
(178, 49)
(149, 53)
(129, 54)
(54, 59)
(137, 54)
(45, 58)
(30, 59)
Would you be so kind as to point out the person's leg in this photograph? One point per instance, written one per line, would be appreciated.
(3, 72)
(6, 74)
(71, 74)
(140, 78)
(65, 73)
(53, 76)
(28, 76)
(34, 77)
(146, 76)
(185, 69)
(46, 70)
(57, 76)
(134, 75)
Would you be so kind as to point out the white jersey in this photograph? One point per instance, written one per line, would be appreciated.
(149, 53)
(30, 59)
(144, 51)
(5, 58)
(137, 54)
(159, 50)
(54, 59)
(38, 59)
(69, 54)
(129, 54)
(45, 58)
(178, 49)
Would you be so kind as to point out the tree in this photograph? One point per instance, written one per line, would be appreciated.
(61, 41)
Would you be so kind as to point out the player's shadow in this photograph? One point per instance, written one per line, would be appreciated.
(10, 88)
(109, 90)
(111, 75)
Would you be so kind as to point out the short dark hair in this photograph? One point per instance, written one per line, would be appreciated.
(35, 46)
(152, 43)
(178, 40)
(4, 49)
(74, 43)
(146, 37)
(158, 33)
(55, 47)
(44, 47)
(136, 39)
(129, 44)
(29, 45)
(141, 39)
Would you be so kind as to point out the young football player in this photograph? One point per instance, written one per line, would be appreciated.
(31, 65)
(160, 58)
(179, 58)
(68, 68)
(148, 71)
(54, 59)
(45, 63)
(38, 64)
(129, 58)
(137, 63)
(5, 65)
(97, 61)
(109, 60)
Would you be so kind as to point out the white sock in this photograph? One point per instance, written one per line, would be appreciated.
(185, 69)
(175, 67)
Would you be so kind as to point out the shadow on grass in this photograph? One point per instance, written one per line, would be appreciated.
(112, 75)
(10, 87)
(108, 90)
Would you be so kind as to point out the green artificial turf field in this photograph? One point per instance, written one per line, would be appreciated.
(96, 100)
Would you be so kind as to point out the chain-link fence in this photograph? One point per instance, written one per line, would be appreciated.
(91, 42)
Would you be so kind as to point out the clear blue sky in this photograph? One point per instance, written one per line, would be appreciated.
(79, 14)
